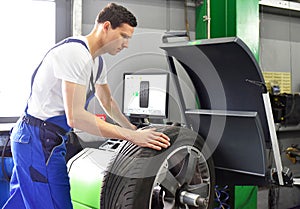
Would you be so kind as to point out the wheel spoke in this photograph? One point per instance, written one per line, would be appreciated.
(170, 183)
(188, 168)
(200, 189)
(185, 170)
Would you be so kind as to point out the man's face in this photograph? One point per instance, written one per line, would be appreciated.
(118, 38)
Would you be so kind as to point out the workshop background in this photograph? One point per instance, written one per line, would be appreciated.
(273, 37)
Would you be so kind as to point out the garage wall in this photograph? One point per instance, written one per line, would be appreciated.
(279, 33)
(154, 19)
(154, 14)
(280, 43)
(63, 19)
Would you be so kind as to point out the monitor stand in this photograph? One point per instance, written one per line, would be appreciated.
(139, 122)
(144, 121)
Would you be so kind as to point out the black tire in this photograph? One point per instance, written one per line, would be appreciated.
(143, 178)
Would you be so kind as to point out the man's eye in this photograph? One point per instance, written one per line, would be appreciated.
(125, 36)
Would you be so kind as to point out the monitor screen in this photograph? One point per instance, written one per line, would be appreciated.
(145, 95)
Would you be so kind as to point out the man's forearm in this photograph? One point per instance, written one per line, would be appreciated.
(115, 113)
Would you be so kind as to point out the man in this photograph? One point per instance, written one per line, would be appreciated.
(56, 104)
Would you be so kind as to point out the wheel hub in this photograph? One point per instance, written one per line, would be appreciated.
(192, 199)
(183, 181)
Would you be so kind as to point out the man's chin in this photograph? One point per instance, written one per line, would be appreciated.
(114, 53)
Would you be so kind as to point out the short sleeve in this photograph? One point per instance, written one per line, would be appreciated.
(72, 63)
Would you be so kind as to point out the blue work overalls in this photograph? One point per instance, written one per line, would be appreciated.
(40, 179)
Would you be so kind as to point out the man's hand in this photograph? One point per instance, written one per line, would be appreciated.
(150, 138)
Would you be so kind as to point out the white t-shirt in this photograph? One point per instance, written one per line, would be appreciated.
(71, 62)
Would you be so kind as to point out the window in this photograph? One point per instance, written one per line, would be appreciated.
(27, 32)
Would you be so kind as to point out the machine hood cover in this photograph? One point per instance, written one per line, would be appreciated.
(225, 74)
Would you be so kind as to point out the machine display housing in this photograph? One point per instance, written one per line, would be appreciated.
(145, 95)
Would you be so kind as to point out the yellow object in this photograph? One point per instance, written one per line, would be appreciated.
(283, 79)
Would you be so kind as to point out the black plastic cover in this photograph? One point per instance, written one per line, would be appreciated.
(225, 74)
(231, 117)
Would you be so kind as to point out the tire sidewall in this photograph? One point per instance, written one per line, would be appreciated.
(179, 137)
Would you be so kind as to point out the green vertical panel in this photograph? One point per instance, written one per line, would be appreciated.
(247, 23)
(230, 15)
(223, 19)
(201, 25)
(218, 20)
(245, 197)
(231, 18)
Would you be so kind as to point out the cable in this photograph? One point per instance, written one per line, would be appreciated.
(187, 25)
(258, 83)
(222, 196)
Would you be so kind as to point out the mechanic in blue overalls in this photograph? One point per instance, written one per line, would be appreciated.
(57, 104)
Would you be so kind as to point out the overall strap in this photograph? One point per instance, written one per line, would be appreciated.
(91, 92)
(68, 40)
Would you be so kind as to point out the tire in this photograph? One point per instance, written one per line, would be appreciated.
(143, 178)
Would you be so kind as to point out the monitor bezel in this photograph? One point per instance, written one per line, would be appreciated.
(143, 116)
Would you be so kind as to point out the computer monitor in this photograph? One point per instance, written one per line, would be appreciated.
(145, 95)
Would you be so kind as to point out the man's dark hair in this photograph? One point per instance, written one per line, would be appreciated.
(116, 15)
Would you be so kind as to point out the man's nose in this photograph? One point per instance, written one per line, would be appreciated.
(125, 43)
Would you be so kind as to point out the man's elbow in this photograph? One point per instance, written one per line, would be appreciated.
(71, 122)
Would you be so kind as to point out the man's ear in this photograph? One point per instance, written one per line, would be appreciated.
(106, 25)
